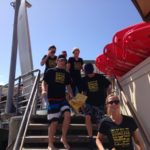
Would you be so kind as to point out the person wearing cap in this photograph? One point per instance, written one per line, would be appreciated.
(54, 85)
(49, 60)
(95, 86)
(74, 67)
(121, 130)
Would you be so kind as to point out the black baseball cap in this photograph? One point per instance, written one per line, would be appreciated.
(88, 68)
(61, 57)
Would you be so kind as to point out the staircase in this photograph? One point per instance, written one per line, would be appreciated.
(37, 134)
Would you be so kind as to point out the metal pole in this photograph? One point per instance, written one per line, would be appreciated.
(9, 102)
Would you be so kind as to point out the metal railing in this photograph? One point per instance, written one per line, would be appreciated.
(22, 89)
(27, 114)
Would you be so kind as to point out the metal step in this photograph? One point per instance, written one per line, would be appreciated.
(75, 118)
(73, 126)
(75, 141)
(58, 149)
(42, 129)
(37, 134)
(44, 139)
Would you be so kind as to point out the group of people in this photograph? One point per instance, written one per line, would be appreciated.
(73, 65)
(61, 76)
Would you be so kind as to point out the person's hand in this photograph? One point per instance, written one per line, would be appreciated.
(71, 96)
(49, 53)
(44, 93)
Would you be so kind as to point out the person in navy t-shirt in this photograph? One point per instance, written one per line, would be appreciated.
(74, 67)
(118, 128)
(55, 82)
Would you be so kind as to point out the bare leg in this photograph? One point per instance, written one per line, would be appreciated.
(88, 123)
(51, 134)
(65, 127)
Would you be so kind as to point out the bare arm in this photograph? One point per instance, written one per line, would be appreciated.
(69, 91)
(99, 141)
(137, 139)
(43, 61)
(44, 87)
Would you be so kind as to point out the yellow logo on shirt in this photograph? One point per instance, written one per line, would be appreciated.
(93, 86)
(121, 136)
(51, 63)
(77, 65)
(60, 77)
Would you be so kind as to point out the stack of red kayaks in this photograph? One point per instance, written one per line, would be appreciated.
(107, 65)
(128, 48)
(118, 56)
(138, 41)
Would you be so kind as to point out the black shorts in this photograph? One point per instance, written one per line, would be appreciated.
(95, 112)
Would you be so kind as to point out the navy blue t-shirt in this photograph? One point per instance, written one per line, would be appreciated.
(95, 88)
(75, 67)
(119, 136)
(50, 63)
(57, 79)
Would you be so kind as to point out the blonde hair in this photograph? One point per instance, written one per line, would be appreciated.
(109, 96)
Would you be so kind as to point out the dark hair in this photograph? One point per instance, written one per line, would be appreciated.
(112, 94)
(64, 51)
(52, 46)
(88, 68)
(62, 57)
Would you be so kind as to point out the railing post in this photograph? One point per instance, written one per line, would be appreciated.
(9, 102)
(18, 95)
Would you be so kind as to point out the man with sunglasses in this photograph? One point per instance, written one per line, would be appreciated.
(118, 128)
(55, 83)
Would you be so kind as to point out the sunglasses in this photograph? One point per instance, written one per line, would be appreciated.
(53, 52)
(62, 60)
(116, 102)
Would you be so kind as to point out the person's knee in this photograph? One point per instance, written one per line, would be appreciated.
(67, 115)
(87, 118)
(53, 124)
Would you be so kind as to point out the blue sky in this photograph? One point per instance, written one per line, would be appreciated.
(87, 24)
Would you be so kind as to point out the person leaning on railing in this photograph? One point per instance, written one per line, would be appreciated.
(118, 128)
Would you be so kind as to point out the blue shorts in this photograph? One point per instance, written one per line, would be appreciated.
(56, 108)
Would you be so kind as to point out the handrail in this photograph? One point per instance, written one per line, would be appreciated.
(27, 114)
(135, 116)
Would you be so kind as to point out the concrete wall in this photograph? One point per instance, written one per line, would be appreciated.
(136, 85)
